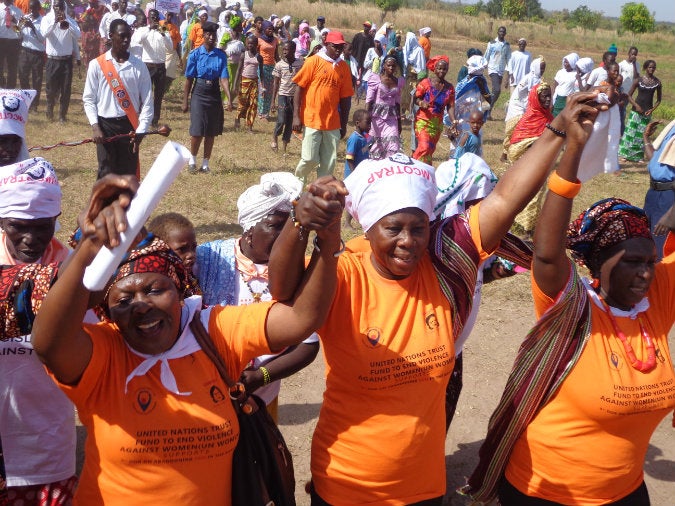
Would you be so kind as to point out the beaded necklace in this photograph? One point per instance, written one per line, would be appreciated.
(257, 296)
(641, 366)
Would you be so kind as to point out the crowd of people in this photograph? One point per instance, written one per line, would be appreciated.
(391, 310)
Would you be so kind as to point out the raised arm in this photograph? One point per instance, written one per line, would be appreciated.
(550, 262)
(307, 293)
(524, 178)
(58, 336)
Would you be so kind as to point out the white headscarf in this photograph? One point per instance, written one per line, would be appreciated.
(585, 65)
(534, 76)
(413, 54)
(461, 180)
(572, 59)
(381, 187)
(14, 106)
(425, 31)
(29, 190)
(276, 192)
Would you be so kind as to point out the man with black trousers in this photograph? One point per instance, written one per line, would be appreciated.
(117, 100)
(61, 35)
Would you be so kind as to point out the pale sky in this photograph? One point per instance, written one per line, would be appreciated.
(664, 10)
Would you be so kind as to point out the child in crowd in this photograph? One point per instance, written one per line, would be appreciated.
(284, 88)
(469, 140)
(249, 70)
(179, 234)
(358, 144)
(351, 61)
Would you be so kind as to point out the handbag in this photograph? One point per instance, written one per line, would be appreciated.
(262, 465)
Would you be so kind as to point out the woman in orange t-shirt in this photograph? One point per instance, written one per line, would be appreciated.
(267, 47)
(159, 425)
(595, 377)
(388, 339)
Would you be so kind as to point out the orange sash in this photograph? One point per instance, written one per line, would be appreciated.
(117, 86)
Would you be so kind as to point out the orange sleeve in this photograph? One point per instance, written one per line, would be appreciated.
(346, 88)
(474, 225)
(541, 301)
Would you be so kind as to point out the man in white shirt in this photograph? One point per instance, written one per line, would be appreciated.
(31, 57)
(497, 54)
(61, 34)
(114, 112)
(518, 66)
(630, 71)
(9, 43)
(104, 27)
(315, 31)
(156, 43)
(599, 74)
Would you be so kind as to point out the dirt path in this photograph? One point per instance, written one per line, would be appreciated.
(505, 316)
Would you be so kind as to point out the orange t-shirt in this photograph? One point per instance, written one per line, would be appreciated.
(149, 445)
(426, 46)
(174, 33)
(268, 50)
(588, 444)
(389, 352)
(196, 35)
(323, 85)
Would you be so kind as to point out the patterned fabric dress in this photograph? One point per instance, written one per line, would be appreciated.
(89, 22)
(429, 122)
(386, 116)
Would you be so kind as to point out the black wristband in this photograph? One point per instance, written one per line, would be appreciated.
(559, 133)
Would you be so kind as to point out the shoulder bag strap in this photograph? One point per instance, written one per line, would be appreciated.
(206, 343)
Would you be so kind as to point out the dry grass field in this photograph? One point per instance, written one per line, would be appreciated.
(239, 159)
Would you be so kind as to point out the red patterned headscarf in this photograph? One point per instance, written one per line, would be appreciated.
(431, 64)
(154, 255)
(603, 225)
(533, 122)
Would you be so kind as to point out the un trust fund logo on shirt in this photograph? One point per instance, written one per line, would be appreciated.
(144, 401)
(372, 337)
(430, 321)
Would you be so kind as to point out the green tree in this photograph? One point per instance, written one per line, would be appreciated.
(534, 9)
(636, 18)
(388, 6)
(514, 9)
(585, 18)
(494, 8)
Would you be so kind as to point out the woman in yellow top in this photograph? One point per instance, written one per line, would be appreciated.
(594, 377)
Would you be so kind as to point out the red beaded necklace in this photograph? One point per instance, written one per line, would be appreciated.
(630, 353)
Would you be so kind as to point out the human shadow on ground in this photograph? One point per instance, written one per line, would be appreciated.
(222, 229)
(297, 414)
(458, 466)
(658, 467)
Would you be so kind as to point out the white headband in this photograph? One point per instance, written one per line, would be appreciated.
(29, 190)
(380, 187)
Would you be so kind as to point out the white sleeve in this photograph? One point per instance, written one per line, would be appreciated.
(90, 93)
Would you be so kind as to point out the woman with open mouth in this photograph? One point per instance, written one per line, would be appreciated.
(160, 425)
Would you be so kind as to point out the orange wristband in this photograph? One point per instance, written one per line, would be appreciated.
(562, 187)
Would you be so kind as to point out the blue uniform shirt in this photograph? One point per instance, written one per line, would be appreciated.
(203, 64)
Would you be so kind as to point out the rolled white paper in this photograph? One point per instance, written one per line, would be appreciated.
(168, 164)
